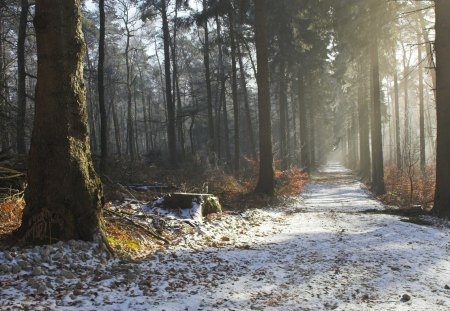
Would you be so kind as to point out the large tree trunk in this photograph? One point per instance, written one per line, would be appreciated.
(377, 143)
(442, 46)
(64, 194)
(101, 89)
(21, 75)
(266, 173)
(171, 133)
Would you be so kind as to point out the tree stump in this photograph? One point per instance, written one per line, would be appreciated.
(180, 200)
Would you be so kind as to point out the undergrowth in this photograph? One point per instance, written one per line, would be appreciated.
(409, 188)
(11, 210)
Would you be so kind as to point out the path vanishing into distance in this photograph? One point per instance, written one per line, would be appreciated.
(323, 253)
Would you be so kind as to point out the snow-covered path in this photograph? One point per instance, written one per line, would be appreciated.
(323, 254)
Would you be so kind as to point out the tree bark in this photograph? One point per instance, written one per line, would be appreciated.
(429, 49)
(442, 46)
(397, 118)
(3, 132)
(101, 89)
(304, 145)
(171, 133)
(223, 100)
(64, 194)
(211, 140)
(421, 108)
(21, 76)
(363, 119)
(377, 144)
(266, 173)
(282, 111)
(248, 116)
(237, 149)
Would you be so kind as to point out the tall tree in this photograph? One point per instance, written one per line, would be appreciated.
(376, 137)
(442, 46)
(236, 114)
(421, 107)
(64, 194)
(248, 117)
(101, 88)
(305, 162)
(266, 173)
(363, 120)
(211, 141)
(398, 152)
(21, 76)
(171, 120)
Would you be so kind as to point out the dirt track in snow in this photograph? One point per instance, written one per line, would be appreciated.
(325, 253)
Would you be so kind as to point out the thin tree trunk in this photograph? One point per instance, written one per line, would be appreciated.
(211, 141)
(407, 136)
(176, 87)
(421, 108)
(429, 50)
(397, 118)
(144, 111)
(130, 131)
(363, 120)
(3, 131)
(223, 100)
(92, 127)
(116, 130)
(64, 194)
(171, 135)
(101, 89)
(304, 146)
(282, 112)
(135, 125)
(237, 152)
(21, 76)
(312, 136)
(247, 105)
(294, 126)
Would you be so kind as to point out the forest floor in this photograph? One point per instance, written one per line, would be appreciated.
(334, 249)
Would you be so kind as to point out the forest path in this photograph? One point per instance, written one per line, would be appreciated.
(324, 253)
(331, 255)
(327, 254)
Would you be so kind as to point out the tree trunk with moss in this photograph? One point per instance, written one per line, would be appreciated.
(64, 194)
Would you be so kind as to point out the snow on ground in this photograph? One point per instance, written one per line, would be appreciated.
(322, 254)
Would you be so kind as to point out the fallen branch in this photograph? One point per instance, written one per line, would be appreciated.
(138, 225)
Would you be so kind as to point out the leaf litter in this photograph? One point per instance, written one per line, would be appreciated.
(320, 253)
